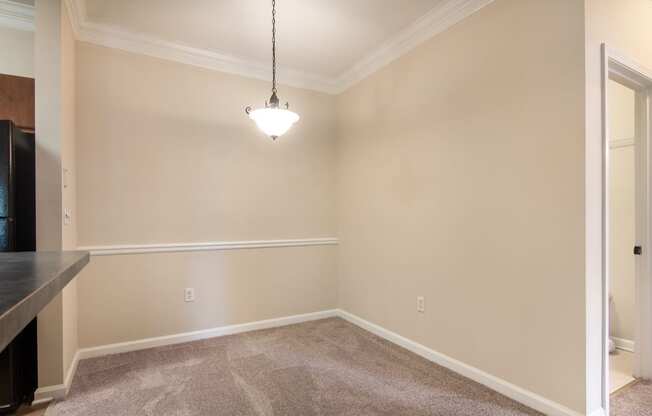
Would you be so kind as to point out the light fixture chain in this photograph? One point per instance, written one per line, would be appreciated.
(273, 119)
(274, 46)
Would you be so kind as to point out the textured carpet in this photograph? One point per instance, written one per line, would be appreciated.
(635, 400)
(326, 367)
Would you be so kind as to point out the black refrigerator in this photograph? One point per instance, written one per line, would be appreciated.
(18, 361)
(17, 189)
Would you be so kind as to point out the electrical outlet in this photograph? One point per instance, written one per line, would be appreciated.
(421, 304)
(189, 294)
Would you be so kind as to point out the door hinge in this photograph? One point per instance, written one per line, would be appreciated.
(638, 250)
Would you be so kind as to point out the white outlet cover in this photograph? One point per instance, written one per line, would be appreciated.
(421, 304)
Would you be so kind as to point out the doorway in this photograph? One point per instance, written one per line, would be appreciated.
(627, 283)
(621, 184)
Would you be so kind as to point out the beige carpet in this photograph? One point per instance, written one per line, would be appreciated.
(635, 400)
(326, 367)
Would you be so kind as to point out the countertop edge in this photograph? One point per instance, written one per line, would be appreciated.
(19, 315)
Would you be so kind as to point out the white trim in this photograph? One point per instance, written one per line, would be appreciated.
(16, 15)
(625, 69)
(617, 67)
(115, 250)
(117, 38)
(599, 412)
(510, 390)
(436, 21)
(140, 43)
(76, 14)
(624, 344)
(203, 334)
(605, 388)
(59, 391)
(620, 143)
(620, 68)
(71, 371)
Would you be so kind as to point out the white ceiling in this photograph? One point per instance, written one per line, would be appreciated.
(323, 45)
(321, 37)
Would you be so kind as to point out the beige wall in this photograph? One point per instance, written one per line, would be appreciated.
(625, 26)
(16, 52)
(622, 210)
(47, 71)
(69, 197)
(55, 138)
(444, 189)
(231, 287)
(461, 179)
(166, 154)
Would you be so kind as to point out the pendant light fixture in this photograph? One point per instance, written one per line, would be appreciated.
(273, 119)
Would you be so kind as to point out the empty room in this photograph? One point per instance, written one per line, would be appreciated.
(325, 207)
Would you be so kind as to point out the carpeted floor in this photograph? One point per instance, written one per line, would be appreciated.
(326, 367)
(635, 400)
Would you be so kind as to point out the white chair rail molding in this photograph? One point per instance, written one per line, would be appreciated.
(205, 246)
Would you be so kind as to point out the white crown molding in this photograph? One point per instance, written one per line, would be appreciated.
(437, 20)
(76, 14)
(115, 250)
(16, 15)
(118, 38)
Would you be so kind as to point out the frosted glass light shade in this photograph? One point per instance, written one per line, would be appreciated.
(274, 121)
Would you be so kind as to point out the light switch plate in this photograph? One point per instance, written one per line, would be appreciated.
(67, 216)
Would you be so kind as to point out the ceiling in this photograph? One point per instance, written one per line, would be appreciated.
(323, 45)
(322, 37)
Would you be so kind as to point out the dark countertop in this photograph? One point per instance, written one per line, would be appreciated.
(29, 281)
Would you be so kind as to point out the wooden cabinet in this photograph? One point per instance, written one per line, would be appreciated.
(17, 101)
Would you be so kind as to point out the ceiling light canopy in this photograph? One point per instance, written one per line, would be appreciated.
(273, 119)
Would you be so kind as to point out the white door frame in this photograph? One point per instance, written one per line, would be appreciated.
(617, 67)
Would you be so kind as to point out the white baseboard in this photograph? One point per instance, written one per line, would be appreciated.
(599, 412)
(624, 344)
(510, 390)
(59, 391)
(203, 334)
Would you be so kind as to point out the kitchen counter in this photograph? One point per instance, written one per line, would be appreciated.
(29, 281)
